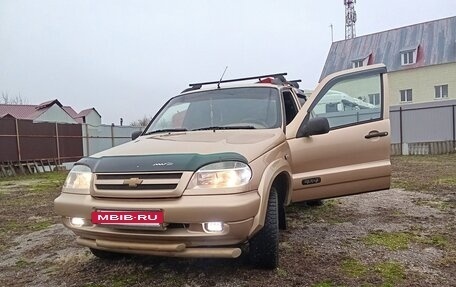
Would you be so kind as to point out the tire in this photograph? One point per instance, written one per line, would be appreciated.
(315, 202)
(264, 246)
(107, 255)
(282, 214)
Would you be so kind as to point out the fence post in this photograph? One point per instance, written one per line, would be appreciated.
(454, 128)
(87, 139)
(400, 130)
(57, 143)
(19, 157)
(112, 135)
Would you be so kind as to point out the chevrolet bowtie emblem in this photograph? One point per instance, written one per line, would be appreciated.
(133, 182)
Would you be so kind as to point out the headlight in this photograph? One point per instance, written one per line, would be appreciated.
(78, 180)
(221, 174)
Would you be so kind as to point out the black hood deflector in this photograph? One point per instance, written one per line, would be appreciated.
(156, 163)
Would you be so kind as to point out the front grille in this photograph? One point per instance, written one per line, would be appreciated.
(177, 226)
(134, 185)
(139, 187)
(140, 175)
(148, 229)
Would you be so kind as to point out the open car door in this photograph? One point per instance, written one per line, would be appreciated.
(340, 139)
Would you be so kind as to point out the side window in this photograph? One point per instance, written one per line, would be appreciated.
(350, 102)
(302, 99)
(290, 106)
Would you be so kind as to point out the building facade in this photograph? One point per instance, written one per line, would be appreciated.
(51, 111)
(426, 84)
(421, 60)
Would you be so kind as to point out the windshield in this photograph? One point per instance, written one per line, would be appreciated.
(236, 108)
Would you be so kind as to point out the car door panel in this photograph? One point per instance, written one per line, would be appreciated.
(354, 156)
(338, 164)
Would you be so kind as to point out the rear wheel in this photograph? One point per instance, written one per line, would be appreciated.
(264, 246)
(107, 255)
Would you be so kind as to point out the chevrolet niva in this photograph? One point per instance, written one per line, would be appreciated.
(212, 173)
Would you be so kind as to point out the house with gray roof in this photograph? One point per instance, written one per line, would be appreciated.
(420, 59)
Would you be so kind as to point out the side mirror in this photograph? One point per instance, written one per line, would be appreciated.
(315, 126)
(135, 135)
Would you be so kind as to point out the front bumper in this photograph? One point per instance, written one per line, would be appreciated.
(171, 250)
(184, 236)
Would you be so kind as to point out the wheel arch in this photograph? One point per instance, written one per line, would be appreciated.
(282, 182)
(277, 173)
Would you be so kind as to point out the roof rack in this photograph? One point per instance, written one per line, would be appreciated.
(294, 83)
(239, 79)
(279, 76)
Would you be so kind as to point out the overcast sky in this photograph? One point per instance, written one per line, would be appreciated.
(126, 58)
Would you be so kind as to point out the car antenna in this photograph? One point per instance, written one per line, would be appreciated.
(221, 78)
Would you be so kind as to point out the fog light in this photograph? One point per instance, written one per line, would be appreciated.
(77, 221)
(213, 226)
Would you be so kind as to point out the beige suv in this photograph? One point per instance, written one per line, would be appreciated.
(215, 168)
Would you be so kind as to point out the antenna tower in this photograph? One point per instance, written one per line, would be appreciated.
(350, 19)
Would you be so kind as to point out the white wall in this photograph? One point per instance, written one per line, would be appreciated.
(99, 138)
(55, 114)
(93, 119)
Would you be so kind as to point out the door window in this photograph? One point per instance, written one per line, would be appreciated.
(348, 102)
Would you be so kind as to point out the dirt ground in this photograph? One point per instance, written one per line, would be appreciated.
(401, 237)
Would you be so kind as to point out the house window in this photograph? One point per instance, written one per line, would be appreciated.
(408, 57)
(358, 63)
(441, 91)
(406, 95)
(374, 99)
(361, 62)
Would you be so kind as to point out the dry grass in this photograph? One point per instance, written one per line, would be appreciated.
(315, 251)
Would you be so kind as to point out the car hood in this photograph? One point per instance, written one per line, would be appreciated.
(250, 144)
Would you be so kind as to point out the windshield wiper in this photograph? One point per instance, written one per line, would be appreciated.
(225, 128)
(166, 131)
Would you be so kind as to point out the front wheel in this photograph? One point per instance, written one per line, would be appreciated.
(264, 246)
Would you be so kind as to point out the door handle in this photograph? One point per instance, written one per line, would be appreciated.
(374, 134)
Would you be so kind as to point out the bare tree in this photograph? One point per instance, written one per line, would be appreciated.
(16, 100)
(141, 122)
